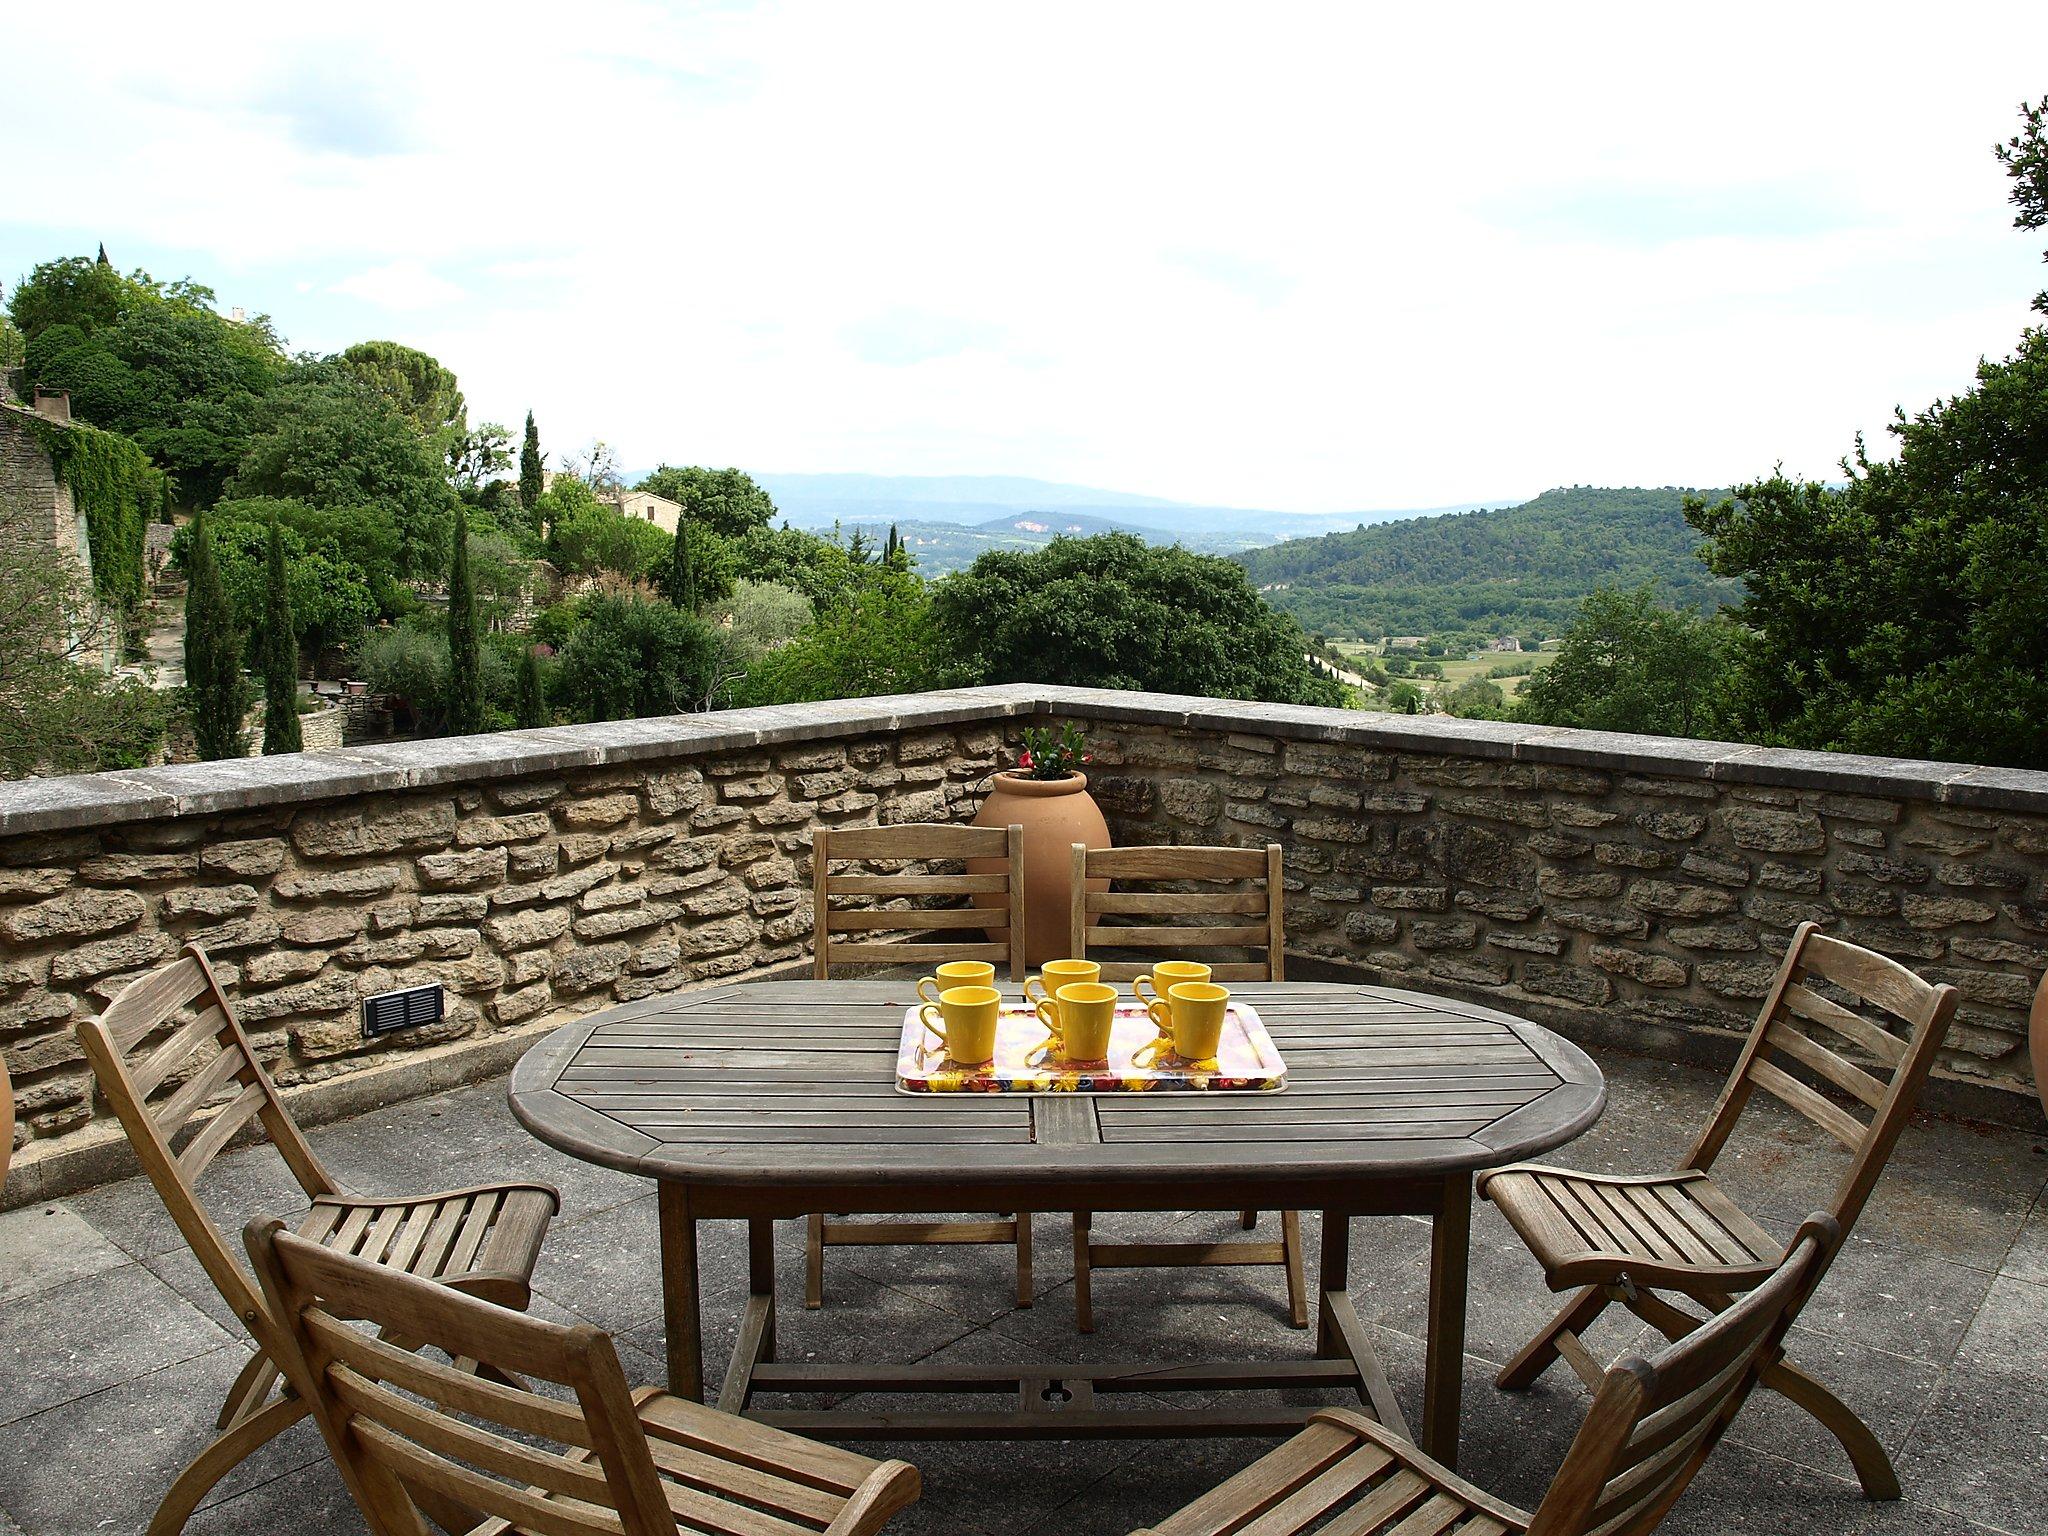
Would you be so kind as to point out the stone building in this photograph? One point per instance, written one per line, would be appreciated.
(29, 484)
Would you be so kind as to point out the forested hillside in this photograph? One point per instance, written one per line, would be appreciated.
(1518, 570)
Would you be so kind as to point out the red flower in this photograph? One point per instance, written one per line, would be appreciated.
(1023, 759)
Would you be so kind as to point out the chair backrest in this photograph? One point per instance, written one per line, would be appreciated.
(167, 1047)
(408, 1430)
(894, 900)
(1784, 1050)
(1217, 898)
(1653, 1421)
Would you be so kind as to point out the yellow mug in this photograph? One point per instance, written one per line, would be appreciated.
(1079, 1017)
(967, 1023)
(1189, 1020)
(1163, 977)
(1055, 974)
(956, 973)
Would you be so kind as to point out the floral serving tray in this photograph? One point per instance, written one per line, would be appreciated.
(1246, 1060)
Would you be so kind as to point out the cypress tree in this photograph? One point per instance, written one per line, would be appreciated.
(532, 710)
(465, 665)
(215, 689)
(280, 656)
(892, 548)
(529, 466)
(682, 579)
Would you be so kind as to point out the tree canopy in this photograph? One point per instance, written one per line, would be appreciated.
(1115, 612)
(726, 501)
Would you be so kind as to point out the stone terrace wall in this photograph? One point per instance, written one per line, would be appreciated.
(1628, 889)
(1631, 889)
(526, 895)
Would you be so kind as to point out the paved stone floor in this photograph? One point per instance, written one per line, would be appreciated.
(114, 1351)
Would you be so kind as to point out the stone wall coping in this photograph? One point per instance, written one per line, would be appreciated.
(198, 789)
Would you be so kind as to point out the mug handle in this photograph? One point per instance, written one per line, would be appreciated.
(931, 997)
(1044, 993)
(1160, 1012)
(1049, 1015)
(924, 1017)
(1145, 990)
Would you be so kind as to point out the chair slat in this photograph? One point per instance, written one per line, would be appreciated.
(1182, 938)
(1870, 976)
(145, 1006)
(230, 1118)
(1193, 902)
(171, 1115)
(1815, 1009)
(918, 954)
(919, 840)
(419, 1468)
(913, 885)
(1163, 863)
(1830, 1117)
(1809, 1052)
(447, 1436)
(915, 919)
(150, 1073)
(372, 1358)
(476, 1222)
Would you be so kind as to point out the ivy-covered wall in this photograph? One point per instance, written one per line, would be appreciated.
(117, 489)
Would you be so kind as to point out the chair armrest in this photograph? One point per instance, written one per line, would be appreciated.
(890, 1488)
(1420, 1462)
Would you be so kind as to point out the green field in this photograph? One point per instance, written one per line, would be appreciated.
(1457, 669)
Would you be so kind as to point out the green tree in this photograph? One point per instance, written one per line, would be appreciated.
(465, 676)
(1115, 612)
(280, 654)
(330, 596)
(725, 501)
(682, 570)
(2025, 158)
(587, 536)
(1628, 664)
(531, 709)
(1477, 699)
(530, 466)
(417, 386)
(215, 690)
(630, 657)
(59, 712)
(329, 440)
(877, 638)
(1905, 611)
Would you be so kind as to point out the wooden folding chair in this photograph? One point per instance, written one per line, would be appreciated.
(408, 1432)
(879, 908)
(1623, 1239)
(1219, 898)
(167, 1047)
(1650, 1428)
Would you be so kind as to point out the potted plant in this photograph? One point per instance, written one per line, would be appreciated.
(1046, 794)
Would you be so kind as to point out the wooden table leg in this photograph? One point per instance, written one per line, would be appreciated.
(1333, 1273)
(679, 1292)
(761, 1275)
(1450, 1254)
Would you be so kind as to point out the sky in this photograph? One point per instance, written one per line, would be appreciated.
(1296, 256)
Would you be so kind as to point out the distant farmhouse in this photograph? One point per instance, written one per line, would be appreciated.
(1509, 643)
(640, 506)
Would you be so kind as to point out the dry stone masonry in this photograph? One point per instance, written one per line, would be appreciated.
(1629, 889)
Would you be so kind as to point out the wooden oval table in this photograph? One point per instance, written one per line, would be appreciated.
(774, 1100)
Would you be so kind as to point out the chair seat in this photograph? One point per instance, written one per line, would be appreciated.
(721, 1473)
(1671, 1231)
(483, 1241)
(1343, 1461)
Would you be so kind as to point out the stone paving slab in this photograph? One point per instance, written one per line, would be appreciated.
(114, 1350)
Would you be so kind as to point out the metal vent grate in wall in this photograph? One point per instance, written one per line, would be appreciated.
(407, 1009)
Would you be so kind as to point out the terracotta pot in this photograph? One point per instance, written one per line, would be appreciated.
(6, 1121)
(2037, 1032)
(1055, 815)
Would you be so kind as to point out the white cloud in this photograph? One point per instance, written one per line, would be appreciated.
(1310, 256)
(403, 286)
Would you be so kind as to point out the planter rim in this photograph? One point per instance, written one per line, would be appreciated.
(1012, 781)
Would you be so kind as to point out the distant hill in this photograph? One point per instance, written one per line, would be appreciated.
(1514, 570)
(970, 490)
(978, 502)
